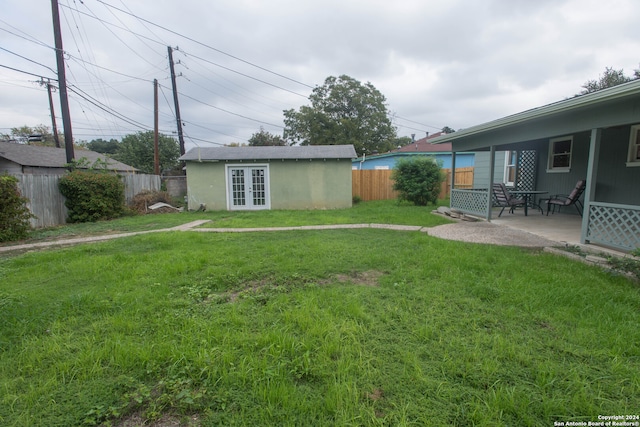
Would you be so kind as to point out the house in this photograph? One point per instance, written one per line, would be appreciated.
(39, 160)
(271, 177)
(442, 153)
(594, 137)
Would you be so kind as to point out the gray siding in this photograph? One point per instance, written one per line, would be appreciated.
(616, 183)
(481, 168)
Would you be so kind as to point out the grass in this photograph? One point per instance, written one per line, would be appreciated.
(385, 212)
(336, 327)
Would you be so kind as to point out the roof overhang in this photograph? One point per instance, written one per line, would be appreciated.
(616, 106)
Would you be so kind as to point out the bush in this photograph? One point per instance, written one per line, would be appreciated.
(14, 214)
(92, 196)
(418, 180)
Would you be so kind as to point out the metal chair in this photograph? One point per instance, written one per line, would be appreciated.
(573, 198)
(504, 199)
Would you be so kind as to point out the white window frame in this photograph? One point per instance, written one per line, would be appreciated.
(633, 158)
(552, 155)
(508, 156)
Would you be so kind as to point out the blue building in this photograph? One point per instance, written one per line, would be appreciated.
(422, 147)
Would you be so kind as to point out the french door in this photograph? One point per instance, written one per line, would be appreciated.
(248, 187)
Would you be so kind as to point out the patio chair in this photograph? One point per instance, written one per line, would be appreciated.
(560, 200)
(504, 199)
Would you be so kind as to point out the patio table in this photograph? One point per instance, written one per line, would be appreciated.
(527, 197)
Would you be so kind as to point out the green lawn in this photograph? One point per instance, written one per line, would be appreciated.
(336, 327)
(384, 212)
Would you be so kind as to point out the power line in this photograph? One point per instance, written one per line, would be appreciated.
(205, 45)
(30, 60)
(26, 72)
(243, 75)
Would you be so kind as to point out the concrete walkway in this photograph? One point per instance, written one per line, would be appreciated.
(476, 232)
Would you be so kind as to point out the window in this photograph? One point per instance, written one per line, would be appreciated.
(510, 167)
(381, 168)
(560, 154)
(634, 147)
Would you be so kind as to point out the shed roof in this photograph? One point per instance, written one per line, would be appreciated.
(270, 153)
(52, 157)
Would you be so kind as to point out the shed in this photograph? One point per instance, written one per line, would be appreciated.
(273, 177)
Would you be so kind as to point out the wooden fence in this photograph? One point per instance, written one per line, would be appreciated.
(47, 204)
(377, 184)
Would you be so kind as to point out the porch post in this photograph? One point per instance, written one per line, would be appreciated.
(492, 164)
(453, 174)
(592, 177)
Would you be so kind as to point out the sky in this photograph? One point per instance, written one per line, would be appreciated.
(241, 63)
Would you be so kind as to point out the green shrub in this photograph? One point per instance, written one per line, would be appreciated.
(418, 180)
(92, 196)
(14, 214)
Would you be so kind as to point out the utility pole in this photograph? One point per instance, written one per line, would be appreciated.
(175, 100)
(53, 114)
(156, 152)
(53, 117)
(62, 81)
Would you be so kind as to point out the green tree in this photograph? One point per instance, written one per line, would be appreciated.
(447, 129)
(342, 111)
(105, 147)
(608, 79)
(263, 138)
(36, 135)
(402, 141)
(137, 150)
(417, 180)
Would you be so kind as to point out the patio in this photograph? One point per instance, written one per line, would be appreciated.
(559, 227)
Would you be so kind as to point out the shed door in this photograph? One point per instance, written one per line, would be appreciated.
(248, 187)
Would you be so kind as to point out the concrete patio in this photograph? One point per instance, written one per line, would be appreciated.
(559, 227)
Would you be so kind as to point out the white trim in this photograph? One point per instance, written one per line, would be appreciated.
(551, 155)
(507, 166)
(247, 166)
(633, 156)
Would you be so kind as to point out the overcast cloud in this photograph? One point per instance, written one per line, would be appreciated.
(439, 63)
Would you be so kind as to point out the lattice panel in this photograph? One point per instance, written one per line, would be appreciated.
(470, 201)
(527, 165)
(617, 227)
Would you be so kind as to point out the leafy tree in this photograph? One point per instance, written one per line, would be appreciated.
(24, 135)
(137, 150)
(608, 79)
(342, 111)
(402, 141)
(447, 129)
(105, 147)
(417, 179)
(263, 138)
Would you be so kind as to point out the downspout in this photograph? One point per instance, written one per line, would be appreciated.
(592, 177)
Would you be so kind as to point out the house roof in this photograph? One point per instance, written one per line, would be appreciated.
(424, 145)
(270, 153)
(52, 157)
(594, 102)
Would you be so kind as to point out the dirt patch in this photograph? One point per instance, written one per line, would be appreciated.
(363, 278)
(264, 286)
(137, 420)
